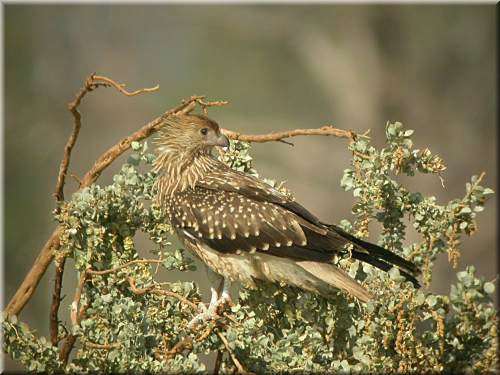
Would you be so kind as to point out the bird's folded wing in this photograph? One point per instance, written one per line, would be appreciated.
(255, 189)
(231, 222)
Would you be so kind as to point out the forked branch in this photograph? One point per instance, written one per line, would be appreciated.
(92, 82)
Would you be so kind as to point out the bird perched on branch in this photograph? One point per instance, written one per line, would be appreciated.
(244, 229)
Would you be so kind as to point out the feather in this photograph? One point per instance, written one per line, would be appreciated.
(337, 278)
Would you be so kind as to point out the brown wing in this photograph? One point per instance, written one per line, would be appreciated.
(251, 187)
(322, 240)
(231, 222)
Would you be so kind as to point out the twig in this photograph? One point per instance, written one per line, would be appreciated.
(205, 334)
(125, 265)
(360, 155)
(286, 142)
(77, 124)
(235, 360)
(93, 345)
(120, 88)
(76, 178)
(56, 300)
(180, 346)
(279, 136)
(153, 290)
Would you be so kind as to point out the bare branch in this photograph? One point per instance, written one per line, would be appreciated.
(205, 105)
(120, 88)
(186, 343)
(279, 136)
(77, 124)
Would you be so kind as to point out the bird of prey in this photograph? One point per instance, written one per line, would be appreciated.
(246, 230)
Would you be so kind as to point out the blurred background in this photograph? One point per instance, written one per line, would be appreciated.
(432, 67)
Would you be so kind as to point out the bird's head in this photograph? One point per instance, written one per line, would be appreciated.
(190, 135)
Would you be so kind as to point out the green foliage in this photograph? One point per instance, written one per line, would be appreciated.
(129, 324)
(36, 353)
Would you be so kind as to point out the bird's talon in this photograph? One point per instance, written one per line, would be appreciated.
(207, 314)
(202, 307)
(223, 303)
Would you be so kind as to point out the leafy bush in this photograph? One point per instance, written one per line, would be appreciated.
(127, 320)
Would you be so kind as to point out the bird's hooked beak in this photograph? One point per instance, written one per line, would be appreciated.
(221, 141)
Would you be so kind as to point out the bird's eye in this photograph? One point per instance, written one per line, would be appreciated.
(204, 131)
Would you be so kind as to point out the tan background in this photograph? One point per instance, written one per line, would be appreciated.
(430, 66)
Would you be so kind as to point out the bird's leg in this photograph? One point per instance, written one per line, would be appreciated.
(225, 297)
(210, 312)
(207, 313)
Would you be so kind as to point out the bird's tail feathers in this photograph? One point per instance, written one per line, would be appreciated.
(378, 256)
(336, 277)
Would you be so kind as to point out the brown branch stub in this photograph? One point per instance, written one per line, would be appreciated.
(56, 300)
(199, 99)
(279, 136)
(233, 357)
(66, 349)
